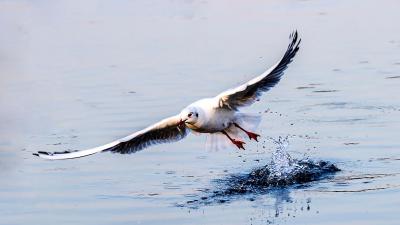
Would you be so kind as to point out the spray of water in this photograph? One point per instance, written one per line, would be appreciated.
(282, 166)
(283, 170)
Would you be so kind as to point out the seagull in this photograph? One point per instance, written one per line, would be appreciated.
(218, 116)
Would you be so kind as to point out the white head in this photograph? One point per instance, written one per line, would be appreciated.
(189, 115)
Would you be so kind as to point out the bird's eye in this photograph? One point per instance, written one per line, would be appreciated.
(197, 115)
(190, 114)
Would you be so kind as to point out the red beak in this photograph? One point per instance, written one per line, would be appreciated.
(181, 123)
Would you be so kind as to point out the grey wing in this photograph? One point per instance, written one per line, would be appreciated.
(248, 93)
(167, 130)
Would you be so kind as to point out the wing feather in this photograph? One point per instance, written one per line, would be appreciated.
(167, 130)
(248, 93)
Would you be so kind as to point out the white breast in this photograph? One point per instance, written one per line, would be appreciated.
(211, 118)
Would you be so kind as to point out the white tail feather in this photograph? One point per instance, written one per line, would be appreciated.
(248, 120)
(217, 141)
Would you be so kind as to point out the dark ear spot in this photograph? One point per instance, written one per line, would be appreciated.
(197, 115)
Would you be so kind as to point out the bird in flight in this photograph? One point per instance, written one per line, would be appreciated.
(218, 116)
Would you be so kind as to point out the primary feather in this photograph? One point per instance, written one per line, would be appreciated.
(248, 93)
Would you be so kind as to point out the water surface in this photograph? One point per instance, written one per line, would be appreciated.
(76, 75)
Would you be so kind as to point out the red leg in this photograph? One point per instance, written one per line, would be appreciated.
(250, 134)
(238, 143)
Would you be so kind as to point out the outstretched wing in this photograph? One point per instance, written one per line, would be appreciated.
(167, 130)
(248, 93)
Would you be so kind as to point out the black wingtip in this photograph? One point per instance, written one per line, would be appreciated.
(65, 152)
(43, 153)
(293, 34)
(293, 47)
(35, 154)
(298, 39)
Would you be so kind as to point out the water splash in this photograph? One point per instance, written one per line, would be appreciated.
(282, 166)
(281, 172)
